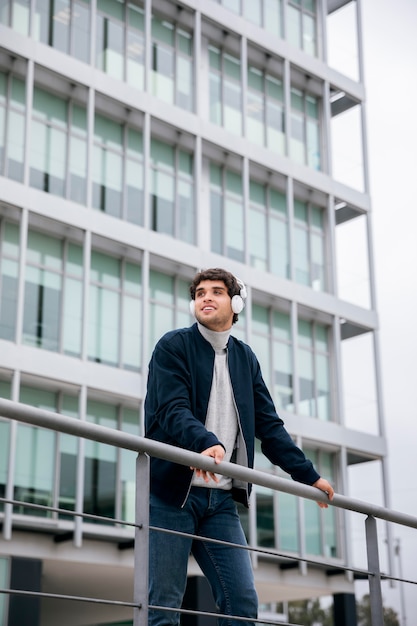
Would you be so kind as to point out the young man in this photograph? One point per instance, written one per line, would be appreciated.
(206, 394)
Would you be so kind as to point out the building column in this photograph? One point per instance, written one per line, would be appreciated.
(344, 609)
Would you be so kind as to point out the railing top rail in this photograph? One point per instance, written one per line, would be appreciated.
(71, 426)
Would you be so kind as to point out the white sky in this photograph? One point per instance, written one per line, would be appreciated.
(390, 49)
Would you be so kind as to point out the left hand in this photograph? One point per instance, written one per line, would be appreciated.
(325, 486)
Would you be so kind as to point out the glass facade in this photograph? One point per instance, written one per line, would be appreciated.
(140, 141)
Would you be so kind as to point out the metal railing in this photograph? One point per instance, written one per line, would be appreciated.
(147, 448)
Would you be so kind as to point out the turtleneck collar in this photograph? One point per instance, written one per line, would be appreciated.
(218, 340)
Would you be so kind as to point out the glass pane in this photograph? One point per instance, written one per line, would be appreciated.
(72, 317)
(162, 320)
(306, 384)
(78, 169)
(215, 99)
(135, 59)
(288, 522)
(163, 72)
(163, 30)
(161, 287)
(80, 47)
(279, 248)
(35, 454)
(216, 222)
(134, 192)
(283, 378)
(265, 523)
(42, 311)
(100, 464)
(272, 17)
(49, 108)
(185, 211)
(253, 11)
(257, 240)
(294, 26)
(261, 346)
(234, 234)
(185, 70)
(131, 337)
(323, 387)
(132, 282)
(60, 25)
(103, 331)
(44, 250)
(110, 47)
(302, 265)
(163, 203)
(232, 107)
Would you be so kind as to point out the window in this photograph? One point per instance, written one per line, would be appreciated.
(53, 294)
(225, 90)
(271, 341)
(172, 191)
(172, 63)
(305, 129)
(114, 327)
(118, 170)
(309, 239)
(301, 25)
(226, 202)
(120, 45)
(268, 230)
(169, 305)
(9, 274)
(35, 466)
(58, 160)
(16, 13)
(109, 481)
(314, 370)
(65, 25)
(265, 110)
(12, 126)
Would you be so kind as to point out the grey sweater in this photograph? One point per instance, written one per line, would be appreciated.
(221, 416)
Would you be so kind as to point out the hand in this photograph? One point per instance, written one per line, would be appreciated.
(217, 452)
(325, 486)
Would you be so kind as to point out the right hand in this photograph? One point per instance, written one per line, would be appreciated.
(217, 452)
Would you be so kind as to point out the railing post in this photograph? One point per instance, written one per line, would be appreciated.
(375, 593)
(141, 556)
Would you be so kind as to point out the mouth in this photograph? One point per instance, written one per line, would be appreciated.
(207, 308)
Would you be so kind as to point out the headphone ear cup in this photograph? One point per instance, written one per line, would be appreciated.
(192, 307)
(237, 304)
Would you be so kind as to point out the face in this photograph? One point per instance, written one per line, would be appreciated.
(213, 308)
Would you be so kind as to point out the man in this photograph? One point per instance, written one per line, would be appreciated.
(206, 394)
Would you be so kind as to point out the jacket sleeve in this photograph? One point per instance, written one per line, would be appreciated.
(276, 443)
(168, 406)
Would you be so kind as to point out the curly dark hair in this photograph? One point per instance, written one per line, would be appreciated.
(217, 273)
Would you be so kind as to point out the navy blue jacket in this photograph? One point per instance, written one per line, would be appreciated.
(179, 384)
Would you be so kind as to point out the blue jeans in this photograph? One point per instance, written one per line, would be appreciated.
(207, 513)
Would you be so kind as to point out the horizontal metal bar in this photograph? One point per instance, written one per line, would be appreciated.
(62, 423)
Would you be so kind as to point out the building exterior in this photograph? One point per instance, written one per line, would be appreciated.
(139, 142)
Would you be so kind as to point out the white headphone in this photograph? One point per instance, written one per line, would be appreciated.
(237, 302)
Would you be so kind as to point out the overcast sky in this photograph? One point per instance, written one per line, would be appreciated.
(390, 49)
